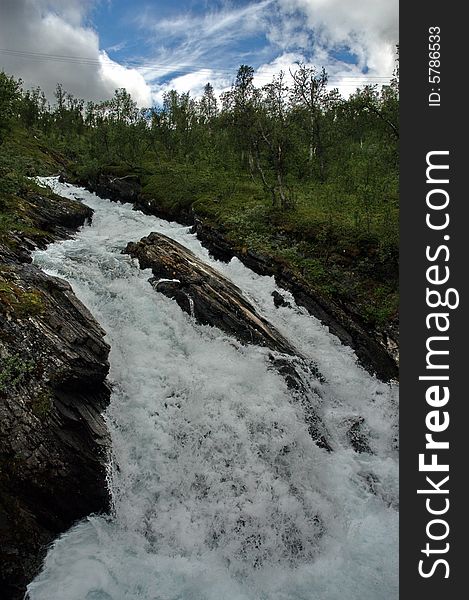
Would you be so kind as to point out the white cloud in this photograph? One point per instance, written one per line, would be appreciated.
(190, 49)
(312, 31)
(213, 24)
(114, 75)
(43, 31)
(368, 28)
(285, 62)
(187, 41)
(192, 82)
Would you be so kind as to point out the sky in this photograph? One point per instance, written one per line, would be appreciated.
(93, 47)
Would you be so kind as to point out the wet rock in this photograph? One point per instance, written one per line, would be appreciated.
(170, 288)
(117, 189)
(53, 218)
(174, 290)
(357, 435)
(53, 368)
(279, 300)
(57, 216)
(217, 301)
(214, 300)
(377, 351)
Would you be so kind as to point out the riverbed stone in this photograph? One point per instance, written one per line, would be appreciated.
(214, 300)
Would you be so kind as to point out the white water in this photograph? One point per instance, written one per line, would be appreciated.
(219, 493)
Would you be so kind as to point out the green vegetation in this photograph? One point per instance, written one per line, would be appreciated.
(18, 302)
(41, 404)
(291, 170)
(13, 371)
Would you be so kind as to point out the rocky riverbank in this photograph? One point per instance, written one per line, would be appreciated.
(376, 347)
(53, 368)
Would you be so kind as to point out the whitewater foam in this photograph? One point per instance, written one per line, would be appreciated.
(218, 490)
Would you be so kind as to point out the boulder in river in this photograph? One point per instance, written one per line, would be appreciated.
(212, 299)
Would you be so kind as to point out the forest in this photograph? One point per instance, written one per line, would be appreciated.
(292, 170)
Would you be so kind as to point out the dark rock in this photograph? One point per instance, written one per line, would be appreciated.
(58, 216)
(174, 290)
(170, 288)
(376, 350)
(298, 374)
(53, 217)
(149, 206)
(128, 189)
(217, 301)
(357, 435)
(279, 300)
(117, 189)
(214, 300)
(53, 367)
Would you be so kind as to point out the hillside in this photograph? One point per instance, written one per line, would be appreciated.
(307, 191)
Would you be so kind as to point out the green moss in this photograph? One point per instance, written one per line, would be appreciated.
(383, 305)
(41, 405)
(30, 153)
(13, 371)
(18, 302)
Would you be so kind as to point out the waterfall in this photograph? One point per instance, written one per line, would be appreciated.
(219, 492)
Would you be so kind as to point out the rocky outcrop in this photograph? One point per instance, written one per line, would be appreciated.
(214, 300)
(128, 189)
(117, 189)
(376, 349)
(53, 367)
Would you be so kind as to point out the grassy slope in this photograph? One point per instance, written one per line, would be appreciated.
(319, 240)
(22, 155)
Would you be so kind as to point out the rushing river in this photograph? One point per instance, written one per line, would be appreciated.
(218, 491)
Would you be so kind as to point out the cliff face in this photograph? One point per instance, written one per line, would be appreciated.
(53, 366)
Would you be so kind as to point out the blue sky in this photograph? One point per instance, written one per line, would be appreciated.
(150, 46)
(183, 35)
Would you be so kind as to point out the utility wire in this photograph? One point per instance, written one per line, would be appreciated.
(347, 80)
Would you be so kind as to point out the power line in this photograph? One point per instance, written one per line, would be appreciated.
(84, 59)
(346, 80)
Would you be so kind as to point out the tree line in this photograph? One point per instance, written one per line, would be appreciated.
(286, 135)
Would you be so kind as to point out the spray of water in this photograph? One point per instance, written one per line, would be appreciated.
(218, 491)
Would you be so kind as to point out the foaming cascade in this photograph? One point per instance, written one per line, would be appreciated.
(218, 490)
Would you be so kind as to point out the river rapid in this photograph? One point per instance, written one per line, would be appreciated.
(218, 491)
